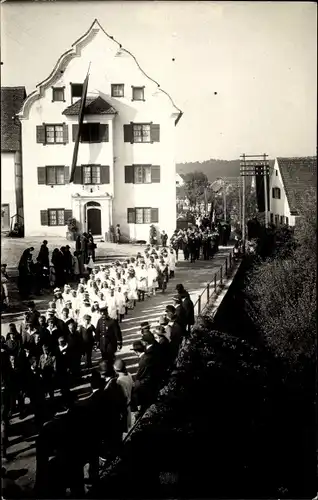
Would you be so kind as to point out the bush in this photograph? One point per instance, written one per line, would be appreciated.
(281, 291)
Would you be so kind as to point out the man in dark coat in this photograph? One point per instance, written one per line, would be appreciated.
(147, 380)
(108, 335)
(180, 312)
(187, 304)
(175, 330)
(33, 313)
(43, 256)
(115, 420)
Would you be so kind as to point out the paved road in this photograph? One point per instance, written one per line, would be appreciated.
(194, 277)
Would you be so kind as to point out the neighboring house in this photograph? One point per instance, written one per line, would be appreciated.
(125, 170)
(179, 180)
(11, 162)
(290, 178)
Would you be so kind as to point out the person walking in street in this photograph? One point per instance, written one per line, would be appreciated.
(187, 305)
(117, 234)
(25, 276)
(125, 380)
(108, 335)
(87, 333)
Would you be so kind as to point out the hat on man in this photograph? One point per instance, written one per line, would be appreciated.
(103, 308)
(148, 337)
(180, 288)
(86, 301)
(56, 290)
(30, 304)
(170, 309)
(138, 346)
(87, 316)
(51, 311)
(144, 324)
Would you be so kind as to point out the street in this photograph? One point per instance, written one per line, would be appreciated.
(194, 277)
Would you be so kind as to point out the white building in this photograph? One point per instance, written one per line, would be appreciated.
(11, 164)
(289, 179)
(126, 167)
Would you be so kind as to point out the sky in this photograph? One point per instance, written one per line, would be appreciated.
(243, 73)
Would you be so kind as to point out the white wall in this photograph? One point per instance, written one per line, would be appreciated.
(279, 207)
(105, 69)
(8, 182)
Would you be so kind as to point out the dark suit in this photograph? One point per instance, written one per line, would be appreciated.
(188, 306)
(147, 378)
(108, 335)
(177, 332)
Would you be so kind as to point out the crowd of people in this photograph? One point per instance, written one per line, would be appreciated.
(44, 354)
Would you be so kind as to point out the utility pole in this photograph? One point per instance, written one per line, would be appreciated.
(224, 199)
(265, 190)
(243, 207)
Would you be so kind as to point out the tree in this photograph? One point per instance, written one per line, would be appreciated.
(194, 187)
(281, 292)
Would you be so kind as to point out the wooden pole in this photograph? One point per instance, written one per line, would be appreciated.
(243, 204)
(224, 199)
(265, 190)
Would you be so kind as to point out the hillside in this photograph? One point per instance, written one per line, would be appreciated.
(212, 168)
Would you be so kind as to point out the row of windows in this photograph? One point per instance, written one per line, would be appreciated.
(54, 175)
(117, 90)
(96, 132)
(142, 215)
(55, 216)
(138, 215)
(278, 219)
(84, 174)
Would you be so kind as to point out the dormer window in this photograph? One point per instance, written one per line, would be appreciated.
(117, 90)
(138, 93)
(58, 94)
(76, 90)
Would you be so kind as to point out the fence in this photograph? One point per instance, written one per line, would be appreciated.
(214, 286)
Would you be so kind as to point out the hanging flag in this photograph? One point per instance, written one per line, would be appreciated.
(260, 194)
(79, 131)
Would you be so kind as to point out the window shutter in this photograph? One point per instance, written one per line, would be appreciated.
(66, 175)
(155, 173)
(68, 214)
(104, 174)
(40, 134)
(155, 133)
(155, 215)
(128, 133)
(65, 133)
(78, 175)
(129, 174)
(41, 175)
(103, 132)
(44, 217)
(74, 132)
(131, 216)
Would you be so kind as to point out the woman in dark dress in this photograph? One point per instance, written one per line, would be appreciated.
(24, 281)
(43, 256)
(58, 263)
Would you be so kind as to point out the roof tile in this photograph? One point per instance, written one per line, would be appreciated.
(298, 175)
(11, 102)
(93, 106)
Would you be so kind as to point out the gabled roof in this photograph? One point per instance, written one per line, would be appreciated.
(93, 106)
(75, 51)
(11, 102)
(298, 174)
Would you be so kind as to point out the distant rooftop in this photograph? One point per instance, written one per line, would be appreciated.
(11, 103)
(298, 175)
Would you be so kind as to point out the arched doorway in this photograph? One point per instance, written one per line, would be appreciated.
(94, 217)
